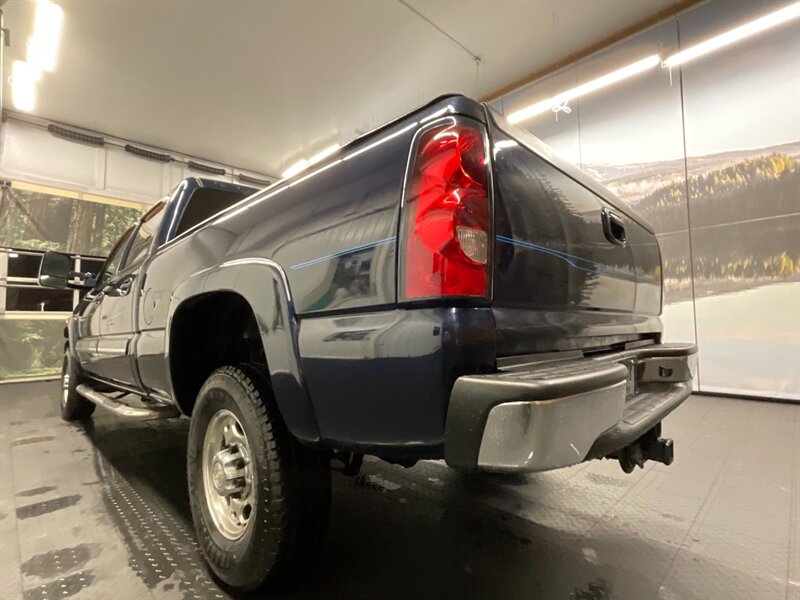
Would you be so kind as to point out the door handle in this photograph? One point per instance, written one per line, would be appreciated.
(124, 287)
(118, 289)
(614, 227)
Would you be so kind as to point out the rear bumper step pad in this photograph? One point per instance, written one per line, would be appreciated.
(541, 416)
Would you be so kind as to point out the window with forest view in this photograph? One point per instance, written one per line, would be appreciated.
(36, 219)
(43, 221)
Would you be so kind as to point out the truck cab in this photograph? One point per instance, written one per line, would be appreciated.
(111, 321)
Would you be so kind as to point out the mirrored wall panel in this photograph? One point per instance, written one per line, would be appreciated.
(742, 107)
(706, 147)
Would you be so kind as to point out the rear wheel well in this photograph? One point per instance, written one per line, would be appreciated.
(207, 332)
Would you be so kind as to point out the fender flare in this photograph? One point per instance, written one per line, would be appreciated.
(262, 283)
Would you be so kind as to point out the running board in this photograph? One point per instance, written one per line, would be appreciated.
(126, 411)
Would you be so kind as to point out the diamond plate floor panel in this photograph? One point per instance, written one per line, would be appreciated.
(101, 512)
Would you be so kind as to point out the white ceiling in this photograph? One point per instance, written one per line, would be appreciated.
(259, 85)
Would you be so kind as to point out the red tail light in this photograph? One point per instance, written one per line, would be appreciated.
(447, 216)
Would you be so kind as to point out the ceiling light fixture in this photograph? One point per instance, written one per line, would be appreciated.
(734, 35)
(41, 56)
(43, 44)
(560, 100)
(23, 85)
(303, 163)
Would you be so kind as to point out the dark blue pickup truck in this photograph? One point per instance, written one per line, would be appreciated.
(442, 287)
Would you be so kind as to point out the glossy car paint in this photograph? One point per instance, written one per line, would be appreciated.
(315, 257)
(380, 381)
(320, 243)
(107, 327)
(88, 324)
(559, 282)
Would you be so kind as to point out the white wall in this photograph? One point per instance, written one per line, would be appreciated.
(30, 153)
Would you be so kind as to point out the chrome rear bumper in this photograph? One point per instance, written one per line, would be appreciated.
(539, 416)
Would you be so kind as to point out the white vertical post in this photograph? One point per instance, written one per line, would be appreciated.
(4, 279)
(76, 296)
(2, 53)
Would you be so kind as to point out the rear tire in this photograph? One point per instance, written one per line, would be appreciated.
(74, 407)
(260, 500)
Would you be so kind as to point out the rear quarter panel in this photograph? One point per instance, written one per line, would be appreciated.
(319, 242)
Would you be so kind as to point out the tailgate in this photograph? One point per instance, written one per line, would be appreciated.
(574, 268)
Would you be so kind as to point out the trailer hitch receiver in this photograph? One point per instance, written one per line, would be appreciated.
(651, 446)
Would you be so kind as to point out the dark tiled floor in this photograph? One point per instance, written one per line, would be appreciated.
(101, 512)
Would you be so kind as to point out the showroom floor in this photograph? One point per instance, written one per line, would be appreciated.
(101, 512)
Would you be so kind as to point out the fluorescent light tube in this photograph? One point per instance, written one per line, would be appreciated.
(324, 154)
(295, 168)
(23, 85)
(608, 79)
(302, 164)
(530, 111)
(585, 88)
(43, 44)
(42, 53)
(734, 35)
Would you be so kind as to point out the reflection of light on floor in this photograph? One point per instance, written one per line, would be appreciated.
(749, 340)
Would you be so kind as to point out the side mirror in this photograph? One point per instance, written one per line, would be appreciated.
(54, 270)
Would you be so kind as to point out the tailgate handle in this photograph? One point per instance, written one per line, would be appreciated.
(614, 227)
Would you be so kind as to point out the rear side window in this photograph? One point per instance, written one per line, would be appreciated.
(205, 203)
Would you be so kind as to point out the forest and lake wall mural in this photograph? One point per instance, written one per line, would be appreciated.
(709, 153)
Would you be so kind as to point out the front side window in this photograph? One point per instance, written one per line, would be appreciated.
(115, 258)
(144, 236)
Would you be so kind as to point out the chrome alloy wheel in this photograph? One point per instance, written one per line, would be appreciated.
(228, 475)
(65, 381)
